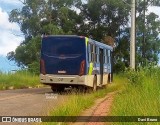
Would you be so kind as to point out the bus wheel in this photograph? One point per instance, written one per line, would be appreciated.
(78, 89)
(109, 78)
(58, 89)
(95, 83)
(54, 89)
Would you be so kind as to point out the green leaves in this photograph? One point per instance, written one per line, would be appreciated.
(14, 16)
(92, 18)
(148, 42)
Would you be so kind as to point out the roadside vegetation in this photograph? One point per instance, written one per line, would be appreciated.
(138, 95)
(141, 96)
(78, 102)
(18, 80)
(106, 20)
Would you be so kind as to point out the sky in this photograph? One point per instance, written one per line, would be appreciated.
(10, 34)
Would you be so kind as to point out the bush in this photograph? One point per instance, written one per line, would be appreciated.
(135, 77)
(138, 100)
(19, 79)
(119, 67)
(141, 74)
(34, 68)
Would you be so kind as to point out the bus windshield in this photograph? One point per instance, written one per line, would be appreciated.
(60, 53)
(52, 46)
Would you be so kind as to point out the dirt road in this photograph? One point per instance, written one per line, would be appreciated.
(101, 107)
(29, 102)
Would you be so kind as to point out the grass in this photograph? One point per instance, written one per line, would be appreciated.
(20, 79)
(141, 96)
(82, 101)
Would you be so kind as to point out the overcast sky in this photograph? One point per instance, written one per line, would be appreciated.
(8, 40)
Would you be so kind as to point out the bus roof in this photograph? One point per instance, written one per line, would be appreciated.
(101, 45)
(64, 36)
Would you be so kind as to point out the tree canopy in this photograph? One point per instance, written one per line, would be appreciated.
(92, 18)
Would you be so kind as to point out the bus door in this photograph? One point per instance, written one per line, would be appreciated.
(101, 65)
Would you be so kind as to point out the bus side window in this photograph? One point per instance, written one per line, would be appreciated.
(108, 56)
(89, 52)
(93, 53)
(97, 54)
(105, 56)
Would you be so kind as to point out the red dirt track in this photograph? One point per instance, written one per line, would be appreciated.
(101, 108)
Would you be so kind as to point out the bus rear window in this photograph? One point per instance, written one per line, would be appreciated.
(63, 45)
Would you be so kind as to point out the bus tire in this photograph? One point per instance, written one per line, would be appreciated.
(81, 89)
(95, 83)
(58, 89)
(53, 88)
(109, 78)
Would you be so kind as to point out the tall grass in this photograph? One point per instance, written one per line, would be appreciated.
(20, 79)
(78, 102)
(141, 97)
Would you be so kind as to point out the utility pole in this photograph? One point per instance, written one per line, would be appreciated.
(143, 41)
(133, 35)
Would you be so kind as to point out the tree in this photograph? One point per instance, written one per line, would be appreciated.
(147, 39)
(121, 53)
(39, 17)
(107, 18)
(148, 42)
(95, 19)
(102, 18)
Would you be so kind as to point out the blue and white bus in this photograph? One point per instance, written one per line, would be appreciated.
(69, 60)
